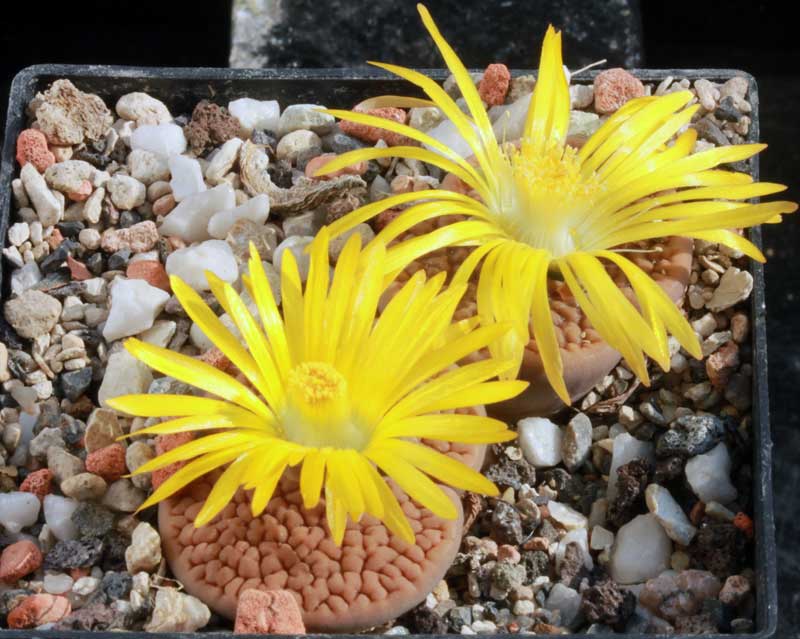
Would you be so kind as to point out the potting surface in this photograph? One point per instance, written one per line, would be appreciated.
(525, 562)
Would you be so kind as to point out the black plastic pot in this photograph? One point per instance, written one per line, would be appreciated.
(182, 88)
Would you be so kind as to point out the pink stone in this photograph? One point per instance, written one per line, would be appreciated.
(108, 462)
(318, 162)
(36, 610)
(82, 193)
(38, 483)
(32, 147)
(78, 270)
(268, 612)
(672, 596)
(19, 559)
(373, 134)
(165, 443)
(613, 88)
(138, 238)
(152, 271)
(493, 87)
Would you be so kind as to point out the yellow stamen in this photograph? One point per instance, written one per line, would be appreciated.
(316, 382)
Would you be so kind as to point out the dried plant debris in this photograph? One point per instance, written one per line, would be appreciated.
(113, 198)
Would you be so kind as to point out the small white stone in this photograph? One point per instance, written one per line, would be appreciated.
(581, 95)
(126, 192)
(191, 263)
(187, 177)
(89, 238)
(222, 161)
(567, 601)
(256, 114)
(135, 304)
(58, 583)
(540, 440)
(125, 375)
(164, 139)
(147, 167)
(189, 219)
(734, 287)
(583, 123)
(626, 448)
(641, 551)
(58, 516)
(709, 475)
(18, 510)
(602, 538)
(448, 134)
(85, 586)
(160, 334)
(23, 278)
(297, 245)
(19, 233)
(93, 207)
(566, 516)
(48, 207)
(669, 514)
(143, 109)
(305, 116)
(255, 209)
(579, 536)
(144, 552)
(177, 612)
(297, 143)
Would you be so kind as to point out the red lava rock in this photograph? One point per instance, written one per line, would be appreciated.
(383, 219)
(108, 462)
(211, 124)
(373, 134)
(493, 87)
(36, 610)
(82, 193)
(19, 559)
(38, 483)
(508, 553)
(318, 162)
(613, 88)
(152, 271)
(54, 239)
(32, 147)
(165, 443)
(721, 364)
(268, 612)
(78, 270)
(743, 522)
(217, 359)
(138, 238)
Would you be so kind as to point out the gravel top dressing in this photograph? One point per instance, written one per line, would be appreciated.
(630, 512)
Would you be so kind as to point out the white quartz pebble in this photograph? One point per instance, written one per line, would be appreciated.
(18, 510)
(255, 209)
(641, 551)
(540, 440)
(191, 263)
(58, 583)
(669, 514)
(566, 516)
(567, 601)
(164, 139)
(58, 516)
(256, 114)
(297, 245)
(709, 475)
(189, 220)
(187, 177)
(48, 207)
(135, 304)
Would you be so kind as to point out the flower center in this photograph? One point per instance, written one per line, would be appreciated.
(318, 411)
(549, 197)
(316, 383)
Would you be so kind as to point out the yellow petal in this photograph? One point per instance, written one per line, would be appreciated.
(197, 373)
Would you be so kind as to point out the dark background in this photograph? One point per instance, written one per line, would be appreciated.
(759, 37)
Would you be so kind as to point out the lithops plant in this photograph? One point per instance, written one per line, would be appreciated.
(544, 211)
(358, 408)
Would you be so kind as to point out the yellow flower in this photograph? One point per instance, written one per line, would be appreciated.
(542, 208)
(329, 388)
